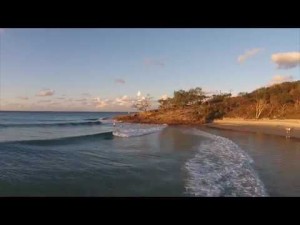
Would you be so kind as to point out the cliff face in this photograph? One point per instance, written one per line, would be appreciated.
(178, 116)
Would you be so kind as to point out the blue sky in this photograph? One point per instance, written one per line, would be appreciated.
(103, 69)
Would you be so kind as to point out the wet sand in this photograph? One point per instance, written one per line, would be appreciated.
(274, 127)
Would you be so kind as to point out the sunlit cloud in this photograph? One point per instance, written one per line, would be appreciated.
(123, 101)
(55, 103)
(45, 92)
(86, 94)
(99, 103)
(286, 60)
(70, 100)
(248, 54)
(154, 62)
(120, 81)
(81, 100)
(12, 106)
(23, 98)
(164, 97)
(277, 79)
(44, 101)
(212, 92)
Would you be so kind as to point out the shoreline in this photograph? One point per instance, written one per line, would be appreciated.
(271, 127)
(263, 126)
(178, 117)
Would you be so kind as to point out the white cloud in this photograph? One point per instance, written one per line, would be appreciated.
(286, 60)
(123, 101)
(138, 94)
(164, 97)
(98, 103)
(277, 79)
(45, 92)
(248, 54)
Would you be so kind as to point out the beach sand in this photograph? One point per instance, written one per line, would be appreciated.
(274, 127)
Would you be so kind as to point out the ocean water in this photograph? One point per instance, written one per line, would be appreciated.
(86, 154)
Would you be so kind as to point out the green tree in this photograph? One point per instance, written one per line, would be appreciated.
(184, 98)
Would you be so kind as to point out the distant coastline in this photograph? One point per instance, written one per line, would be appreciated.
(264, 126)
(272, 110)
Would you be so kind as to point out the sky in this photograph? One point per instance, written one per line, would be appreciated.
(107, 69)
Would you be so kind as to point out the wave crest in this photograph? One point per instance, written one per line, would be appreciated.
(132, 131)
(64, 140)
(90, 123)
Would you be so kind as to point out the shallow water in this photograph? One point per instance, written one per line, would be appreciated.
(276, 159)
(84, 154)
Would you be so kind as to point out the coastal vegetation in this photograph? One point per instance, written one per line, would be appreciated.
(279, 101)
(142, 104)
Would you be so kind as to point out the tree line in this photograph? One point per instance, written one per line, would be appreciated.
(280, 101)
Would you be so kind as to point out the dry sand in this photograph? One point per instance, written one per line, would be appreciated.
(275, 127)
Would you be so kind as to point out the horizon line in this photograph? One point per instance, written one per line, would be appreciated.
(63, 111)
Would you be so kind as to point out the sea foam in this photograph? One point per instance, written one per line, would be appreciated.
(221, 168)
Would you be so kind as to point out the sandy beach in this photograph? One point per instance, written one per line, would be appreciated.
(265, 126)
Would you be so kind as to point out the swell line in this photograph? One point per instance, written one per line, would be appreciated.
(62, 141)
(90, 123)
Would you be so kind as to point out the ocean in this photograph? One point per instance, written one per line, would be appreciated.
(87, 154)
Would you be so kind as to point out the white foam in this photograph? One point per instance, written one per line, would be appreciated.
(107, 121)
(221, 168)
(133, 130)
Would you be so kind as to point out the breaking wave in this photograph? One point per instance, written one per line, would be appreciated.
(221, 168)
(133, 130)
(62, 141)
(90, 123)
